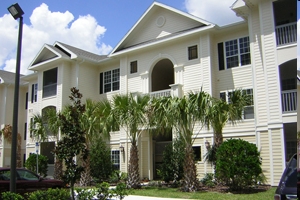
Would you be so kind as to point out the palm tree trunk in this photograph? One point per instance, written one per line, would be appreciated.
(58, 166)
(86, 179)
(218, 138)
(191, 182)
(133, 169)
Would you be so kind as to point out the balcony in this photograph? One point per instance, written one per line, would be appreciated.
(161, 93)
(289, 101)
(286, 34)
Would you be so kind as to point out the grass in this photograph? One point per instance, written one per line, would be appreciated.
(175, 193)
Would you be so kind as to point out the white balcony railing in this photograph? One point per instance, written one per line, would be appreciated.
(161, 93)
(289, 101)
(286, 34)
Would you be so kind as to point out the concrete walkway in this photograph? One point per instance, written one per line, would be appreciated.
(134, 197)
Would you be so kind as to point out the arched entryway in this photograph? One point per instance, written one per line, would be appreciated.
(162, 75)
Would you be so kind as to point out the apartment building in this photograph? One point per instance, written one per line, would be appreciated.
(170, 52)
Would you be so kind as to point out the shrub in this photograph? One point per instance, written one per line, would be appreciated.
(101, 164)
(85, 194)
(208, 180)
(30, 164)
(117, 176)
(238, 164)
(61, 194)
(103, 191)
(11, 196)
(121, 191)
(173, 159)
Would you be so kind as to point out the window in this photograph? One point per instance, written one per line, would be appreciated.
(115, 158)
(249, 109)
(133, 67)
(197, 153)
(248, 112)
(50, 83)
(25, 131)
(193, 52)
(26, 101)
(109, 81)
(237, 53)
(34, 90)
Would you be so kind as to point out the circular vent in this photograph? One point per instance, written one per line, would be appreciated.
(160, 21)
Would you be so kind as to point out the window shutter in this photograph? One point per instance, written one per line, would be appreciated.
(32, 93)
(26, 101)
(101, 83)
(221, 56)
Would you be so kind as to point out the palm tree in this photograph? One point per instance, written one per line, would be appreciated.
(130, 113)
(184, 114)
(221, 112)
(91, 124)
(44, 125)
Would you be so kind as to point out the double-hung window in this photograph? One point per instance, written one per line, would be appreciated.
(115, 158)
(193, 52)
(234, 53)
(109, 81)
(34, 90)
(248, 112)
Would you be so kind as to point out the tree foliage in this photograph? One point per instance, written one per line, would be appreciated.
(238, 164)
(172, 165)
(101, 164)
(73, 142)
(30, 164)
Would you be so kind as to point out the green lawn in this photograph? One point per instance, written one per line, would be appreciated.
(174, 193)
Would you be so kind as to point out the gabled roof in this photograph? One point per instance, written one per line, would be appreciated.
(159, 23)
(9, 78)
(59, 50)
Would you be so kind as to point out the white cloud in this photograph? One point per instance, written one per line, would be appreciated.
(214, 11)
(48, 27)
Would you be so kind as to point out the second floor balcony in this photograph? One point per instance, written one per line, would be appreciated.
(289, 101)
(286, 34)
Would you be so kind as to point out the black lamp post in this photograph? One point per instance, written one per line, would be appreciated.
(16, 11)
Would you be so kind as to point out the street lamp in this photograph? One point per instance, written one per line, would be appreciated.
(16, 11)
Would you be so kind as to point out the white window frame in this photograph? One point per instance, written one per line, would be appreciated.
(236, 52)
(115, 158)
(110, 78)
(248, 106)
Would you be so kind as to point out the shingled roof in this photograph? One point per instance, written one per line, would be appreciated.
(9, 77)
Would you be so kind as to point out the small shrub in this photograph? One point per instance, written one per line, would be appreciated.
(173, 159)
(85, 194)
(11, 196)
(58, 194)
(208, 180)
(117, 176)
(30, 164)
(238, 164)
(103, 192)
(120, 191)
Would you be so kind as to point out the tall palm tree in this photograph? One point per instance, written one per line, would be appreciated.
(221, 112)
(44, 125)
(184, 115)
(91, 124)
(130, 114)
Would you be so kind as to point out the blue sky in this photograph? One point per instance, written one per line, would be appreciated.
(93, 25)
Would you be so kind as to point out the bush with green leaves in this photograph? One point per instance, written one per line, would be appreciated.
(62, 194)
(30, 164)
(238, 164)
(11, 196)
(117, 176)
(208, 180)
(101, 164)
(173, 159)
(85, 194)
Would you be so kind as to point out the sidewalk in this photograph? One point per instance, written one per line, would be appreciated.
(134, 197)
